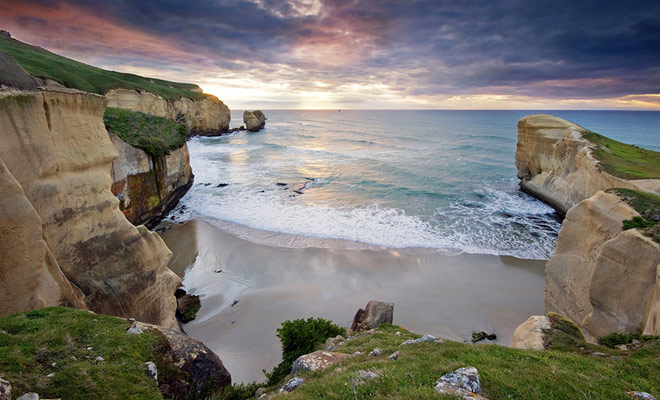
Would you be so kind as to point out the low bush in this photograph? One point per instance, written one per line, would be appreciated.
(300, 337)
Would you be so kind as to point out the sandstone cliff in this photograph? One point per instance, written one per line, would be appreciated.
(147, 186)
(208, 116)
(555, 163)
(601, 276)
(55, 145)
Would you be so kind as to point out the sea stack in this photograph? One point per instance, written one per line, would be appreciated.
(254, 120)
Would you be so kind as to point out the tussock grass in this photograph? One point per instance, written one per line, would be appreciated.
(73, 74)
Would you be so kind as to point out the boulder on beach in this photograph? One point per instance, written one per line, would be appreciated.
(254, 120)
(376, 313)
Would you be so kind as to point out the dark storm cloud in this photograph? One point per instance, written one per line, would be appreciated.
(556, 49)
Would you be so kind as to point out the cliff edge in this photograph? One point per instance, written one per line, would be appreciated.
(557, 163)
(55, 146)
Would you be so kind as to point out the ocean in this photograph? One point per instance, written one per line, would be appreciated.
(438, 180)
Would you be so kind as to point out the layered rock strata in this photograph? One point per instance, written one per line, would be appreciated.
(555, 163)
(601, 276)
(147, 186)
(206, 117)
(55, 145)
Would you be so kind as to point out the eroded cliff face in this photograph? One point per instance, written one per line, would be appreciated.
(55, 145)
(202, 117)
(147, 186)
(30, 276)
(600, 276)
(555, 163)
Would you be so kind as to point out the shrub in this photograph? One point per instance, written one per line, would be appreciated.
(615, 339)
(300, 337)
(637, 222)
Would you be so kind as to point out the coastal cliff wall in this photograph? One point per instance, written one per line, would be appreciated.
(208, 116)
(555, 163)
(147, 186)
(601, 276)
(56, 147)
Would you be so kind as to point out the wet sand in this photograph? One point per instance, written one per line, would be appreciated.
(447, 296)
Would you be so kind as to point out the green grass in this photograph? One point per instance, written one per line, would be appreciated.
(505, 373)
(73, 74)
(615, 339)
(647, 205)
(31, 342)
(155, 135)
(624, 160)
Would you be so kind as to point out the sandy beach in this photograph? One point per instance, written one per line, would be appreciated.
(248, 289)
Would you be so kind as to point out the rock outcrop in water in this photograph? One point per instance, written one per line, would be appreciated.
(555, 163)
(206, 117)
(56, 148)
(147, 186)
(254, 120)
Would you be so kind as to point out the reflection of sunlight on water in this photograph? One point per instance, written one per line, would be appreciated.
(239, 156)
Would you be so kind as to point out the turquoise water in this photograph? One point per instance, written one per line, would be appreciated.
(441, 180)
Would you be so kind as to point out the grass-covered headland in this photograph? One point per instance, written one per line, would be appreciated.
(624, 160)
(73, 74)
(155, 135)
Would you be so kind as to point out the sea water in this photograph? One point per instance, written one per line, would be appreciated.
(439, 180)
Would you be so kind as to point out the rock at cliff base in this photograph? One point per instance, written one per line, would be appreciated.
(531, 334)
(204, 373)
(463, 383)
(254, 120)
(316, 361)
(187, 307)
(376, 313)
(12, 74)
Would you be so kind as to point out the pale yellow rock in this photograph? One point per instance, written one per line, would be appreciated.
(30, 277)
(55, 144)
(622, 285)
(531, 333)
(555, 163)
(652, 324)
(208, 115)
(601, 276)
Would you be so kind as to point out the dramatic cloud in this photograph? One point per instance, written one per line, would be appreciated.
(367, 53)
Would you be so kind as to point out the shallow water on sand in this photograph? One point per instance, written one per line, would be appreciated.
(448, 296)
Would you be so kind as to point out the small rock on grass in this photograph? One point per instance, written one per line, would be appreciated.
(362, 374)
(425, 338)
(29, 396)
(641, 396)
(151, 370)
(463, 383)
(393, 356)
(135, 329)
(376, 352)
(5, 389)
(292, 384)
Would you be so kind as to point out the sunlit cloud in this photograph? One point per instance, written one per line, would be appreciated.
(366, 54)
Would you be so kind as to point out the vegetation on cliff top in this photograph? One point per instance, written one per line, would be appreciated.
(505, 373)
(647, 205)
(624, 160)
(36, 344)
(155, 135)
(73, 74)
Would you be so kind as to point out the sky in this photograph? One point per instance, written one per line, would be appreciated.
(367, 54)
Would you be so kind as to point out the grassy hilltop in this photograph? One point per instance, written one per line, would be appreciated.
(73, 74)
